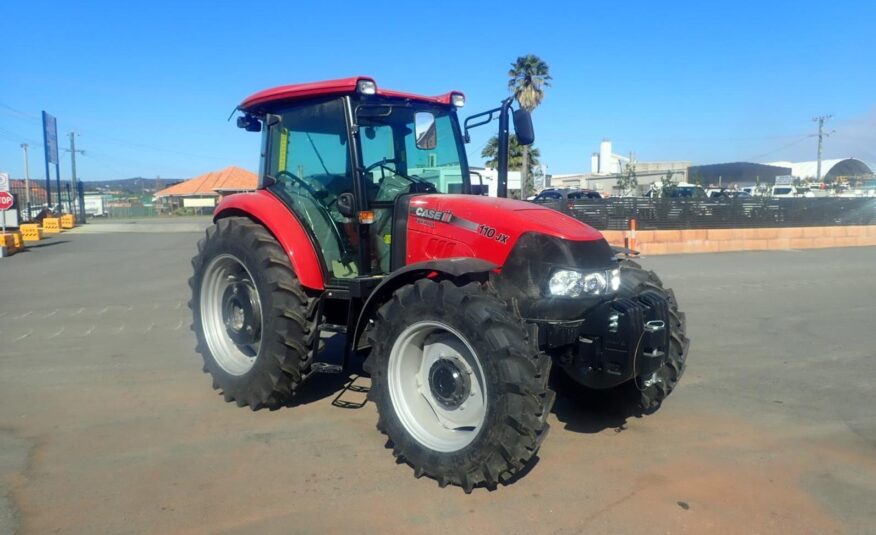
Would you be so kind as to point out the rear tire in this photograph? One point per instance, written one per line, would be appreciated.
(654, 389)
(255, 347)
(501, 377)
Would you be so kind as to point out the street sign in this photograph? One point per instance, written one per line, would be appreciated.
(6, 200)
(4, 181)
(784, 180)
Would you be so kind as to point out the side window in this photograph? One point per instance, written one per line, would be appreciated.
(440, 164)
(310, 161)
(575, 196)
(378, 152)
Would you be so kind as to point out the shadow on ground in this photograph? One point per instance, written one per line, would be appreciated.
(47, 243)
(349, 388)
(583, 410)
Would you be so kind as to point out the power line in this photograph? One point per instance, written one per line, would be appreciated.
(783, 147)
(19, 113)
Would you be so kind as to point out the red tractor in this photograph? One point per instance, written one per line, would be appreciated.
(365, 222)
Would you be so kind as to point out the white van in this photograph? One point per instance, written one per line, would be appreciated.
(783, 192)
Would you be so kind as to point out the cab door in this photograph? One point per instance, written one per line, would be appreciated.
(309, 165)
(404, 150)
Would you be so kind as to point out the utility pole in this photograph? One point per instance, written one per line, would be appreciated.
(72, 150)
(821, 135)
(26, 179)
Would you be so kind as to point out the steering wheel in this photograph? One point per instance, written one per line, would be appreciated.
(383, 168)
(417, 186)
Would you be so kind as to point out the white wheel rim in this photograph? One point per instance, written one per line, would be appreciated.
(222, 272)
(437, 386)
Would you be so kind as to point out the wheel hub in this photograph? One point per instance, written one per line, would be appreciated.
(240, 313)
(437, 386)
(448, 383)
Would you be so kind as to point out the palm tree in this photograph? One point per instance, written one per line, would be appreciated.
(515, 154)
(528, 77)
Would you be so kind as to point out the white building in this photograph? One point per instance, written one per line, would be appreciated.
(605, 162)
(490, 177)
(606, 167)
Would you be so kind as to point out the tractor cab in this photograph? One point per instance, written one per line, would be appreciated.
(341, 154)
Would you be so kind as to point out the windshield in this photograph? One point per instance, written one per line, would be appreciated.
(404, 145)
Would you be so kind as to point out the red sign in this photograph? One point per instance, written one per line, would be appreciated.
(6, 200)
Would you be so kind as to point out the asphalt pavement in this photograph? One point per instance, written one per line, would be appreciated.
(108, 425)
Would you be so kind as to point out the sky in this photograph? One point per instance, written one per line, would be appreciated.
(148, 86)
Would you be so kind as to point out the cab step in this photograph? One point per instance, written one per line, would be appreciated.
(324, 367)
(333, 328)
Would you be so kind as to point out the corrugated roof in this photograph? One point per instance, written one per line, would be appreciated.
(829, 168)
(735, 172)
(229, 179)
(18, 184)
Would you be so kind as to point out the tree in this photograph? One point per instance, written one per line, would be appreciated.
(666, 187)
(515, 154)
(628, 182)
(528, 77)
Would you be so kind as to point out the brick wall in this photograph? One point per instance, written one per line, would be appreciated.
(750, 239)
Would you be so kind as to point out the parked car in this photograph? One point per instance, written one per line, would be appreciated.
(726, 193)
(679, 191)
(791, 192)
(563, 199)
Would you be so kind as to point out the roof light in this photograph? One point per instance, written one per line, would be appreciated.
(366, 87)
(457, 99)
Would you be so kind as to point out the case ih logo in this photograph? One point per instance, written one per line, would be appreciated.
(435, 215)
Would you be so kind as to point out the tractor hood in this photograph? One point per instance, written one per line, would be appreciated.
(443, 226)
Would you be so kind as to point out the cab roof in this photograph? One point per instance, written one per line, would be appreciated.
(342, 86)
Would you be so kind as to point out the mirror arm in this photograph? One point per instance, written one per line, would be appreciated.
(489, 117)
(504, 144)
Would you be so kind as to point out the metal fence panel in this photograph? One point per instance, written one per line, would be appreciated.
(667, 213)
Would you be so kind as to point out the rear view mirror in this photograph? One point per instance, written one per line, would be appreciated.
(523, 127)
(424, 124)
(345, 204)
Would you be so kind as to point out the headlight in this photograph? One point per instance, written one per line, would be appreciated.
(570, 283)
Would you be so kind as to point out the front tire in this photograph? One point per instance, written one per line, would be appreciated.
(654, 389)
(253, 321)
(460, 388)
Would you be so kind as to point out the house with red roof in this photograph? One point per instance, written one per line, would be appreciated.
(205, 191)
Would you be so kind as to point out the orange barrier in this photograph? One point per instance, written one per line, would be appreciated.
(719, 240)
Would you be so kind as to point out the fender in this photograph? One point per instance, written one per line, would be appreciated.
(266, 209)
(452, 267)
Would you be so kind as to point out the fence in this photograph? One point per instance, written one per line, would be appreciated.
(126, 212)
(665, 213)
(37, 198)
